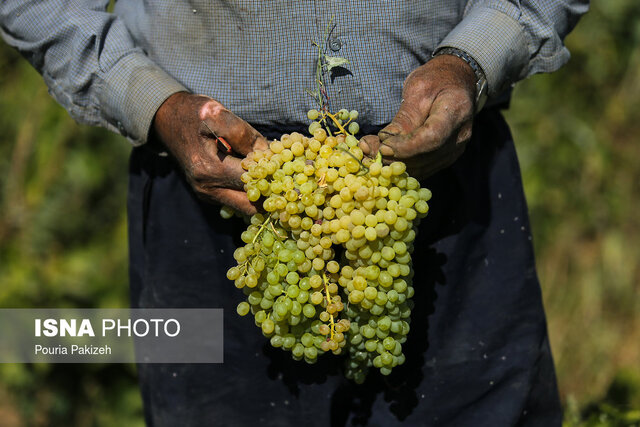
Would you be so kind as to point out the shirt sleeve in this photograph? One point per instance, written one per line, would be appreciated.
(511, 40)
(89, 62)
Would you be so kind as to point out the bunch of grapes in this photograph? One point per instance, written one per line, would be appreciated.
(326, 267)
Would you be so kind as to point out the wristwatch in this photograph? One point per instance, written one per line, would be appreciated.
(481, 79)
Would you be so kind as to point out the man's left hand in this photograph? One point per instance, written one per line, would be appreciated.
(434, 121)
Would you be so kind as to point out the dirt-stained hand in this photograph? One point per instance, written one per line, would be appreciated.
(434, 121)
(184, 123)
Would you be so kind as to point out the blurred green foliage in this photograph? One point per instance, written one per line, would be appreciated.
(577, 133)
(63, 228)
(62, 243)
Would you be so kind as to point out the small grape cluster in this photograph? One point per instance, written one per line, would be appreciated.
(326, 267)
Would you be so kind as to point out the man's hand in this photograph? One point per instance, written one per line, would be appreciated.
(213, 174)
(434, 122)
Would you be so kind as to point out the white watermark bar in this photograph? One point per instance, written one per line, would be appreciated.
(111, 335)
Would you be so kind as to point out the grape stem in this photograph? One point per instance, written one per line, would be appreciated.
(322, 181)
(262, 227)
(326, 291)
(326, 125)
(321, 95)
(244, 265)
(276, 232)
(343, 131)
(337, 123)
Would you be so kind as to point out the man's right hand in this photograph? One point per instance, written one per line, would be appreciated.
(213, 174)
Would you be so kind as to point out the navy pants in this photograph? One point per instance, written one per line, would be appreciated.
(477, 354)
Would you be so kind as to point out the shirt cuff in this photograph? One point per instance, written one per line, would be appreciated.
(496, 41)
(132, 91)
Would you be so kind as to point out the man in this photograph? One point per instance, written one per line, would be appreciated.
(478, 352)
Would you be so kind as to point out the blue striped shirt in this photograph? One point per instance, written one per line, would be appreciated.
(258, 58)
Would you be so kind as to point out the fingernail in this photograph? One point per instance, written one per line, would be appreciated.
(385, 150)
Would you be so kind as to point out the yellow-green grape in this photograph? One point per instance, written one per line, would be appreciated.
(243, 308)
(226, 212)
(314, 126)
(313, 114)
(354, 128)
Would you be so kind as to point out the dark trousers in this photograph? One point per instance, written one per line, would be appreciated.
(477, 353)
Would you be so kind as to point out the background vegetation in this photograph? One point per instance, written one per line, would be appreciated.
(63, 229)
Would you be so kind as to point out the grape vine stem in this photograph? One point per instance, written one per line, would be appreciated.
(337, 123)
(262, 227)
(326, 290)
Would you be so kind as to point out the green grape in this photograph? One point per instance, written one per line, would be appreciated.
(254, 298)
(293, 291)
(389, 343)
(387, 359)
(275, 289)
(251, 281)
(311, 352)
(309, 311)
(298, 350)
(292, 278)
(354, 128)
(307, 339)
(351, 140)
(289, 341)
(233, 273)
(226, 212)
(280, 310)
(384, 323)
(243, 308)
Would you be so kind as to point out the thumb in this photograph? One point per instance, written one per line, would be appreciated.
(436, 130)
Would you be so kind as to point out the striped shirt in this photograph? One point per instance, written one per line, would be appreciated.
(258, 57)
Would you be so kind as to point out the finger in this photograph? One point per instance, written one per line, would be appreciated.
(240, 135)
(437, 129)
(414, 109)
(213, 168)
(465, 132)
(260, 143)
(428, 165)
(410, 116)
(232, 173)
(369, 145)
(236, 199)
(386, 150)
(451, 120)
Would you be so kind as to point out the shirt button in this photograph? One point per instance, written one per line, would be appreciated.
(335, 44)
